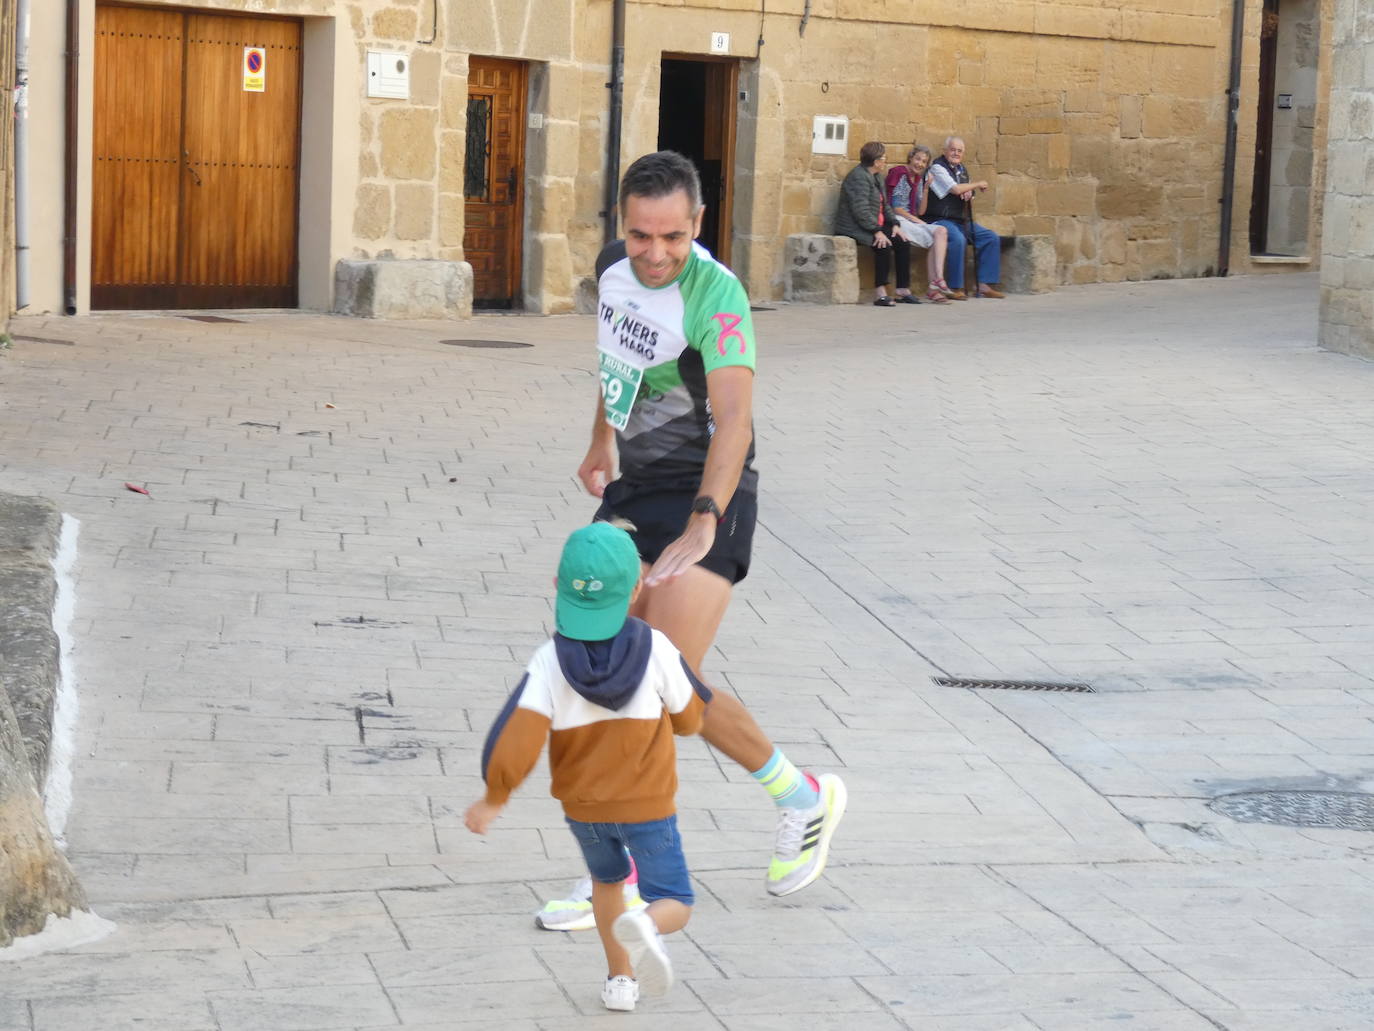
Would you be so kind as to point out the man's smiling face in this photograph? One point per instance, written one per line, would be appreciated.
(658, 235)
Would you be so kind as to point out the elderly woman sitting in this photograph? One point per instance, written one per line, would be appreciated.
(865, 215)
(907, 193)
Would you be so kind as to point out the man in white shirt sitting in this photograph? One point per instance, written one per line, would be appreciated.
(951, 194)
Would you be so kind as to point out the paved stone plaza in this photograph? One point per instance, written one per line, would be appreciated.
(288, 655)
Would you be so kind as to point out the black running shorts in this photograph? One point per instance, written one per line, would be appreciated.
(660, 516)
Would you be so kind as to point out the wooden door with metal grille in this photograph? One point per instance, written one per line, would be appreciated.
(195, 184)
(493, 180)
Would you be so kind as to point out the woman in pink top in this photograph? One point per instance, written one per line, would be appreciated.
(906, 192)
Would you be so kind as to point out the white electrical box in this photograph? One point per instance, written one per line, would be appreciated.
(830, 134)
(388, 75)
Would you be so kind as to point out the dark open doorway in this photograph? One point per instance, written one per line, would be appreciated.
(696, 117)
(1285, 130)
(1264, 128)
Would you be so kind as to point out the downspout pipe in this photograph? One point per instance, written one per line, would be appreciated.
(21, 157)
(69, 184)
(1228, 175)
(617, 88)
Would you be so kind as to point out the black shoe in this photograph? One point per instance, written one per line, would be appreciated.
(908, 299)
(885, 302)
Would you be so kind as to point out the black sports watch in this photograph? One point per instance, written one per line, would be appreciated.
(706, 503)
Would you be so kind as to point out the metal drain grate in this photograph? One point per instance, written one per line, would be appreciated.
(485, 343)
(1015, 685)
(1342, 810)
(45, 340)
(761, 307)
(210, 318)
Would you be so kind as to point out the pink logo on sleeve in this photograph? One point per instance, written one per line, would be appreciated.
(728, 321)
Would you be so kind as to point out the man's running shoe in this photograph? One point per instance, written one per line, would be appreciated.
(620, 993)
(653, 969)
(804, 835)
(574, 913)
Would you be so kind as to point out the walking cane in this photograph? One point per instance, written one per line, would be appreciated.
(970, 252)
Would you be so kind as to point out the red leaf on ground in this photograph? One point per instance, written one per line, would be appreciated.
(136, 489)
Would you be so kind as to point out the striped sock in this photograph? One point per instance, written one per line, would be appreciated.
(788, 786)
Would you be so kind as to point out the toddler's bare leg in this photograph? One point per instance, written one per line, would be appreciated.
(608, 902)
(668, 915)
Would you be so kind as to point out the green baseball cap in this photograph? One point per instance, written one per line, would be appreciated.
(596, 577)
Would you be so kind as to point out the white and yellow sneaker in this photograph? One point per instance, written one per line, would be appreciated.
(803, 840)
(574, 912)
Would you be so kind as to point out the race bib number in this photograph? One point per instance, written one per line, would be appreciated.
(619, 384)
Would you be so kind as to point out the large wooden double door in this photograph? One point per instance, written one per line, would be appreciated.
(493, 180)
(197, 155)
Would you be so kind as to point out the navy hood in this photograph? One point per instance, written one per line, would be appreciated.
(607, 673)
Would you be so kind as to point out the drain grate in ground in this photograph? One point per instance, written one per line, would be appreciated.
(1015, 685)
(45, 340)
(1342, 810)
(210, 318)
(485, 343)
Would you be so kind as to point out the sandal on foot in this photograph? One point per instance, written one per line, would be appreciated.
(885, 302)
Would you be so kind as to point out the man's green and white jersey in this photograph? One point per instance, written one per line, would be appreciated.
(657, 346)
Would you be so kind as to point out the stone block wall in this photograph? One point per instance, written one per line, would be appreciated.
(1099, 123)
(1099, 126)
(1347, 274)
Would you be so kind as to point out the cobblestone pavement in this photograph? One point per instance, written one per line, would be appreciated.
(289, 653)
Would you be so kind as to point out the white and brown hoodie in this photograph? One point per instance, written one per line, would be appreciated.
(609, 710)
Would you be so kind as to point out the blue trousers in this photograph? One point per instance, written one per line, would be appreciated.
(987, 247)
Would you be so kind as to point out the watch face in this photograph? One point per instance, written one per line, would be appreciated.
(705, 504)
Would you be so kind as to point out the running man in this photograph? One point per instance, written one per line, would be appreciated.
(676, 345)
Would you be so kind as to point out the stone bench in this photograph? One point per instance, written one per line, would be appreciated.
(824, 269)
(387, 288)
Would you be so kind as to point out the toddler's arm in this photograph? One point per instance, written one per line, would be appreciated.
(684, 696)
(480, 815)
(515, 741)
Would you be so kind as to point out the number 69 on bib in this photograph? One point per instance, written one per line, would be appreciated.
(619, 384)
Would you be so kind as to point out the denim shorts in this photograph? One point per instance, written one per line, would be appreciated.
(657, 851)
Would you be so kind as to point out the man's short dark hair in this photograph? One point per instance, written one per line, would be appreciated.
(871, 152)
(661, 174)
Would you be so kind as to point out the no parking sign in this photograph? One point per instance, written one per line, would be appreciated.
(254, 70)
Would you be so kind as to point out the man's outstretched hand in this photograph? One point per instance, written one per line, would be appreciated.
(685, 552)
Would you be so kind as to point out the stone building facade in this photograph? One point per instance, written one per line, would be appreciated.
(1100, 123)
(1347, 274)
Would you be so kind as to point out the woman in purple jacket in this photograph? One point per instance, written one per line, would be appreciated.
(906, 192)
